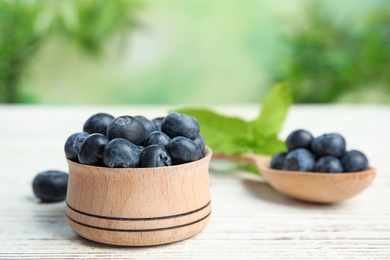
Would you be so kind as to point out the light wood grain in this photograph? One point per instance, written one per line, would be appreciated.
(307, 186)
(250, 220)
(318, 187)
(139, 206)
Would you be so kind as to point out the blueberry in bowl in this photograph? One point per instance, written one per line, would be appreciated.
(155, 156)
(137, 186)
(97, 123)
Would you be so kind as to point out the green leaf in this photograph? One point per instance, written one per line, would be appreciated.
(249, 168)
(233, 135)
(273, 111)
(269, 146)
(222, 133)
(236, 145)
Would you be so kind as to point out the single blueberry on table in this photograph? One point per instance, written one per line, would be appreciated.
(299, 139)
(199, 140)
(121, 153)
(178, 124)
(73, 144)
(97, 123)
(328, 164)
(155, 156)
(354, 161)
(299, 159)
(329, 144)
(126, 127)
(183, 150)
(50, 186)
(278, 160)
(157, 122)
(91, 151)
(148, 125)
(157, 137)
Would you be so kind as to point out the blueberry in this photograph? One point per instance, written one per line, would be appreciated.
(50, 186)
(299, 159)
(178, 124)
(73, 144)
(121, 153)
(354, 161)
(299, 139)
(278, 160)
(155, 156)
(329, 164)
(127, 127)
(329, 144)
(140, 148)
(97, 123)
(157, 122)
(199, 140)
(91, 151)
(148, 125)
(157, 137)
(183, 150)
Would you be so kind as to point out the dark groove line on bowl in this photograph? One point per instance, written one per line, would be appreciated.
(138, 230)
(138, 219)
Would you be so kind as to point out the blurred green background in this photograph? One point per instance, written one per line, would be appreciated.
(193, 51)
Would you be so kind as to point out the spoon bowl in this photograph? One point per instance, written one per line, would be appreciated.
(309, 186)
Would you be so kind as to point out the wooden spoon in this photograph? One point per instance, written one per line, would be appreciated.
(308, 186)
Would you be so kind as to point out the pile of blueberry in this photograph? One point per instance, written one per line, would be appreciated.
(326, 153)
(135, 141)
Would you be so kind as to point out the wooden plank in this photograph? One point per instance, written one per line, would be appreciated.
(249, 219)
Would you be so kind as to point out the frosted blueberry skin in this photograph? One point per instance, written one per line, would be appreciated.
(178, 124)
(354, 161)
(140, 148)
(91, 150)
(121, 153)
(328, 164)
(199, 140)
(50, 186)
(278, 160)
(329, 144)
(155, 156)
(126, 127)
(183, 150)
(299, 159)
(148, 125)
(73, 144)
(157, 137)
(299, 139)
(157, 122)
(97, 123)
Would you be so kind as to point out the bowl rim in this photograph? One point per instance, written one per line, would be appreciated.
(207, 153)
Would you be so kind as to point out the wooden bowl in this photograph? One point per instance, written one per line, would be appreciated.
(317, 187)
(139, 207)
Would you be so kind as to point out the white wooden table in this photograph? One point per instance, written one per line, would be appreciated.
(249, 219)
